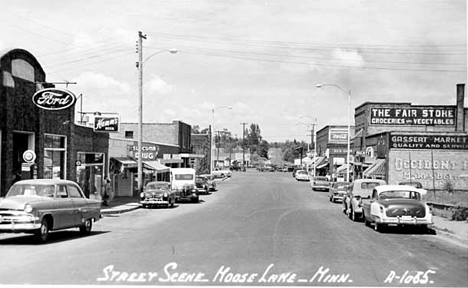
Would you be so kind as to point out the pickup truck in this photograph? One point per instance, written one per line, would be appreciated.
(360, 190)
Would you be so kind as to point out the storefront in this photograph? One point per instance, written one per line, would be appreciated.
(38, 136)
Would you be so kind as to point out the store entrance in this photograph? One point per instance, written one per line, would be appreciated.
(21, 142)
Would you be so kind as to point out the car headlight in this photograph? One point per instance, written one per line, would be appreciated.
(28, 208)
(165, 195)
(142, 195)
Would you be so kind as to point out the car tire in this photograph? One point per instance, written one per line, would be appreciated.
(42, 234)
(86, 227)
(367, 223)
(354, 216)
(349, 212)
(195, 200)
(172, 203)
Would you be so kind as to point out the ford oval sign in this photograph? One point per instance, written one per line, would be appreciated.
(54, 99)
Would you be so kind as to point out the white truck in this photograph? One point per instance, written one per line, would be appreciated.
(183, 184)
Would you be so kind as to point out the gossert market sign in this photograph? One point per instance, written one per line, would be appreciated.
(54, 99)
(429, 142)
(413, 116)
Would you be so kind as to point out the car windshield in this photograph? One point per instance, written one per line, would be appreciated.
(157, 185)
(400, 194)
(183, 177)
(31, 190)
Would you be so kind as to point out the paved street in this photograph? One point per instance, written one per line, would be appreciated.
(259, 228)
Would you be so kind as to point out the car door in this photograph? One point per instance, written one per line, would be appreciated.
(83, 212)
(65, 208)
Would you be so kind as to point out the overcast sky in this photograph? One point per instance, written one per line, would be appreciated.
(261, 57)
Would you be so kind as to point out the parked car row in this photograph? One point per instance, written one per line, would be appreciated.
(380, 205)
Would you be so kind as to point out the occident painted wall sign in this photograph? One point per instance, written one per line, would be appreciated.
(54, 99)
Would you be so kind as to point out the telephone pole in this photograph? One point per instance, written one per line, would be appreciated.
(140, 108)
(243, 142)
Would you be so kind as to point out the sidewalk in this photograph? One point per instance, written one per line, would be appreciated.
(452, 231)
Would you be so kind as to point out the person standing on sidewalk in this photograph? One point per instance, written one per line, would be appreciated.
(108, 193)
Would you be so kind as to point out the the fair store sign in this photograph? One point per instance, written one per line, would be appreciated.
(54, 99)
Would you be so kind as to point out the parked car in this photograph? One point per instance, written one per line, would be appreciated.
(201, 184)
(301, 175)
(221, 173)
(359, 189)
(337, 191)
(157, 193)
(210, 181)
(320, 183)
(38, 206)
(183, 184)
(396, 205)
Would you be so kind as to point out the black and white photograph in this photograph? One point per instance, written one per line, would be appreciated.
(237, 143)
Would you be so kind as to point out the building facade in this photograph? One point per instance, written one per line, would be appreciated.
(426, 143)
(39, 141)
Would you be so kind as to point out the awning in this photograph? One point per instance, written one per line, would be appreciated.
(323, 165)
(376, 169)
(126, 162)
(156, 166)
(171, 161)
(342, 168)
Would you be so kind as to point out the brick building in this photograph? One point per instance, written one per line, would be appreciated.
(426, 143)
(61, 148)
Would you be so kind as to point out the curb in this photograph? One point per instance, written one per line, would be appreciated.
(451, 236)
(120, 209)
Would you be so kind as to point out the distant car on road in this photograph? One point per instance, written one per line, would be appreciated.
(359, 189)
(156, 194)
(337, 191)
(320, 183)
(221, 173)
(201, 184)
(210, 181)
(302, 175)
(38, 206)
(396, 205)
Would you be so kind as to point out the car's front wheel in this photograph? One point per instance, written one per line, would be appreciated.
(42, 233)
(86, 227)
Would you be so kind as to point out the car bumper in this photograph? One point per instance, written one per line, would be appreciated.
(338, 197)
(405, 221)
(320, 187)
(19, 223)
(154, 202)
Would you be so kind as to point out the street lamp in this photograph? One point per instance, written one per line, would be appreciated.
(348, 93)
(213, 135)
(140, 102)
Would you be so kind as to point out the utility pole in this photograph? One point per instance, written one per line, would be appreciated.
(243, 142)
(140, 108)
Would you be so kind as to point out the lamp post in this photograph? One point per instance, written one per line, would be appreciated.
(140, 101)
(348, 93)
(213, 135)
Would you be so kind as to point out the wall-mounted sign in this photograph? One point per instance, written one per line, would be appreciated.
(54, 99)
(148, 152)
(29, 156)
(425, 141)
(413, 116)
(106, 124)
(338, 135)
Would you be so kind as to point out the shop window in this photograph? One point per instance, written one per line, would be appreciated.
(129, 134)
(54, 156)
(90, 174)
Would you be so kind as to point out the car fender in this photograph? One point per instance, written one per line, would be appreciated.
(375, 210)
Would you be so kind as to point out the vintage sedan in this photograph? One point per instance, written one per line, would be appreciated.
(320, 183)
(337, 191)
(157, 193)
(210, 181)
(38, 206)
(302, 175)
(202, 185)
(397, 205)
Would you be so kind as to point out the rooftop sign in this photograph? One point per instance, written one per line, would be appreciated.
(413, 116)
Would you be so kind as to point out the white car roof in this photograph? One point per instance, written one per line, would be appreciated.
(383, 188)
(45, 181)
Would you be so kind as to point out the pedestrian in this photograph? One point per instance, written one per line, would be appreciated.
(108, 193)
(16, 177)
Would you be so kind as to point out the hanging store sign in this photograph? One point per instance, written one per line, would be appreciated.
(54, 99)
(148, 152)
(413, 116)
(106, 124)
(425, 141)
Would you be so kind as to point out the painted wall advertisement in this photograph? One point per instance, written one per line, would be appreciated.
(424, 141)
(338, 136)
(432, 169)
(413, 115)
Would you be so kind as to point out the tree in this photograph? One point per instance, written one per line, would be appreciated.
(263, 149)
